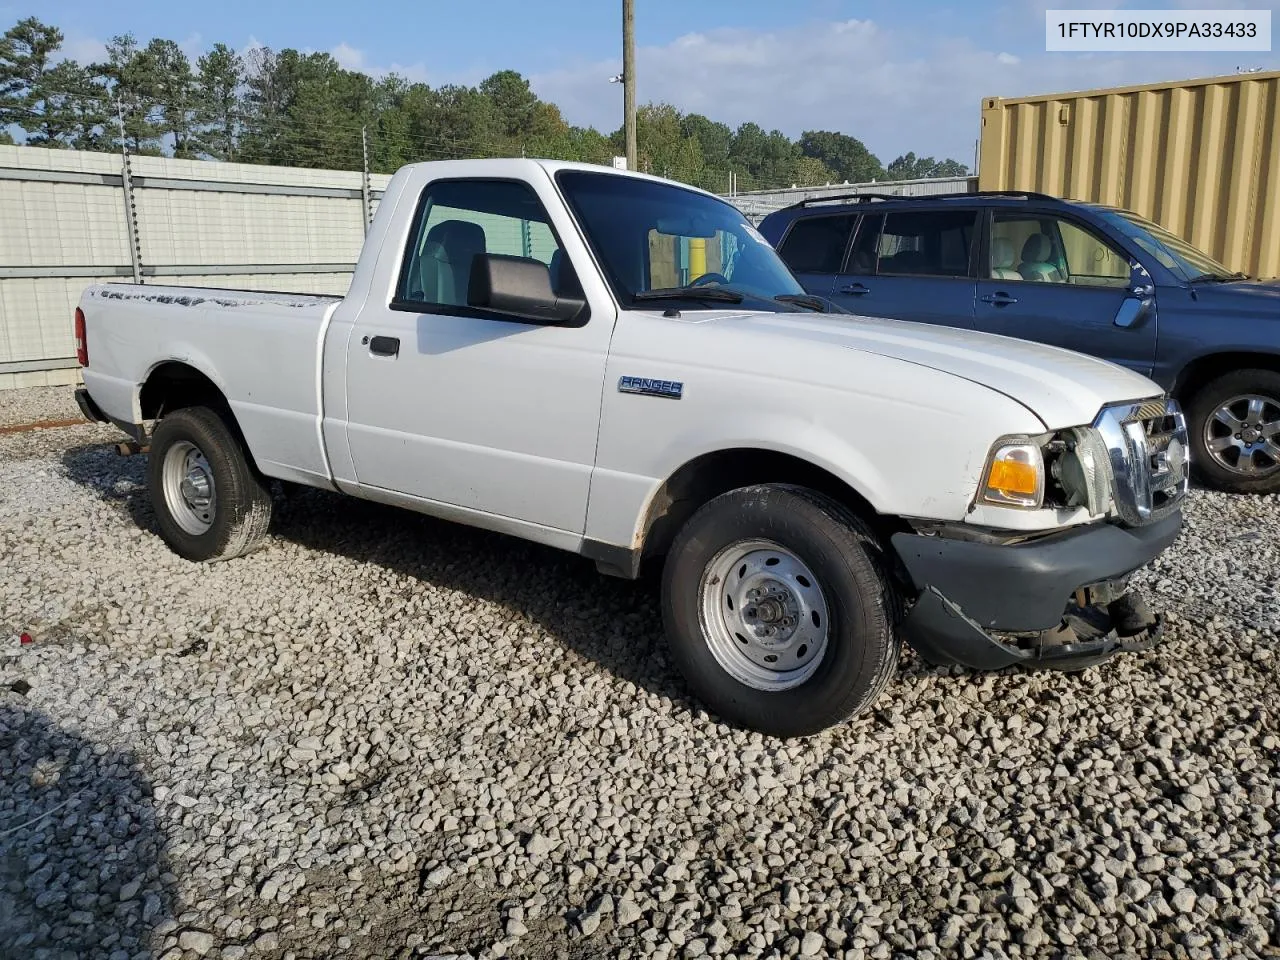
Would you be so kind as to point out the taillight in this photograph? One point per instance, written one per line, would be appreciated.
(82, 345)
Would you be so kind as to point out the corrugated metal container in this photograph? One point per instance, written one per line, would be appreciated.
(1200, 157)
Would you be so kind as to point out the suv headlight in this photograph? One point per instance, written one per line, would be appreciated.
(1014, 476)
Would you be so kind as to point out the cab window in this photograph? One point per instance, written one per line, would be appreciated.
(458, 219)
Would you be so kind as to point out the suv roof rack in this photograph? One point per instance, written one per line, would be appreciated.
(866, 197)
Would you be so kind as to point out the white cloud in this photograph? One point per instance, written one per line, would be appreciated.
(84, 50)
(348, 57)
(353, 58)
(193, 46)
(897, 89)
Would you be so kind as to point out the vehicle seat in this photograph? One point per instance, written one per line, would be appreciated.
(1002, 259)
(1036, 255)
(445, 266)
(906, 261)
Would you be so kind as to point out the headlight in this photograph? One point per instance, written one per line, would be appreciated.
(1014, 476)
(1083, 469)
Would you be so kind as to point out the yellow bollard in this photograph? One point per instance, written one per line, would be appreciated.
(697, 257)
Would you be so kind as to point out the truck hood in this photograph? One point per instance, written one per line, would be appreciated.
(1061, 387)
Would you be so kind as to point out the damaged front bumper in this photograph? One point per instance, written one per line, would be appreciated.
(1056, 600)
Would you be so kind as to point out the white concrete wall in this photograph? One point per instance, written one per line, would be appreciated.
(81, 228)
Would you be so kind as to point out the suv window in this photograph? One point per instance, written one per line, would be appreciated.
(1048, 249)
(458, 219)
(862, 258)
(928, 243)
(816, 244)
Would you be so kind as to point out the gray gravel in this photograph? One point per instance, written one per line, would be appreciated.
(384, 736)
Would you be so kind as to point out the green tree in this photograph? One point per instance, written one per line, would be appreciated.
(54, 104)
(768, 159)
(131, 77)
(514, 102)
(219, 74)
(172, 88)
(262, 107)
(847, 157)
(910, 167)
(811, 172)
(950, 168)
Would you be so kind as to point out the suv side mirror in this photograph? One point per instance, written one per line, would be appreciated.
(1137, 306)
(520, 287)
(1140, 284)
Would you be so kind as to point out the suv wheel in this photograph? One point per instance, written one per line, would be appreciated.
(1235, 432)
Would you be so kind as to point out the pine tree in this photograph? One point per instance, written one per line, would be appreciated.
(220, 73)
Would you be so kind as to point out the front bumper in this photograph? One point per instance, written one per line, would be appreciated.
(989, 605)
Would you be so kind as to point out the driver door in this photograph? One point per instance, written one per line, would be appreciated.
(1053, 280)
(457, 405)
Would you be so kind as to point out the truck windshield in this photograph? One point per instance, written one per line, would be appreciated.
(660, 241)
(1172, 251)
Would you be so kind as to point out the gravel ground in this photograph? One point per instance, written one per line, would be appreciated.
(385, 736)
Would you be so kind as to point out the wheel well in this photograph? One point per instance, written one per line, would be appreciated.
(712, 474)
(1203, 369)
(174, 385)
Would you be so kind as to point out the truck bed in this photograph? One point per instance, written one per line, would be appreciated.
(264, 346)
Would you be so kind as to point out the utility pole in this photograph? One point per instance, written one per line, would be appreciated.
(629, 79)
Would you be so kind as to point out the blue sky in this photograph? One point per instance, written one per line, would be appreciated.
(900, 76)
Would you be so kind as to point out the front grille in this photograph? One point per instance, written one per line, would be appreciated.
(1147, 446)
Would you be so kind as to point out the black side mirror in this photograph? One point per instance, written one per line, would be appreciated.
(520, 287)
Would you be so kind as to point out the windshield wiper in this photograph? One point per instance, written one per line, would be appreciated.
(816, 304)
(1219, 278)
(718, 294)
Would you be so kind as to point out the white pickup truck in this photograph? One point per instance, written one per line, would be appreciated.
(621, 366)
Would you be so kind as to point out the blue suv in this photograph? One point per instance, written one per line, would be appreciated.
(1091, 278)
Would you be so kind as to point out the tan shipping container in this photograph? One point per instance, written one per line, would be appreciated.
(1200, 157)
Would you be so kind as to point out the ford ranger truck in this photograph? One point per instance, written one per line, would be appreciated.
(622, 367)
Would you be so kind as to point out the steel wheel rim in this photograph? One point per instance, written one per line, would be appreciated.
(188, 487)
(764, 615)
(1243, 435)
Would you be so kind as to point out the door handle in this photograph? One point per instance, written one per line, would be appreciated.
(999, 299)
(856, 290)
(384, 346)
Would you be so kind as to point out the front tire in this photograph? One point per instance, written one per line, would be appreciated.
(210, 501)
(778, 611)
(1234, 422)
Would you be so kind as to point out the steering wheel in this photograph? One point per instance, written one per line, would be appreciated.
(708, 278)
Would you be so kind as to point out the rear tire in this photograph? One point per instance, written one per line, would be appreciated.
(210, 501)
(780, 572)
(1215, 414)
